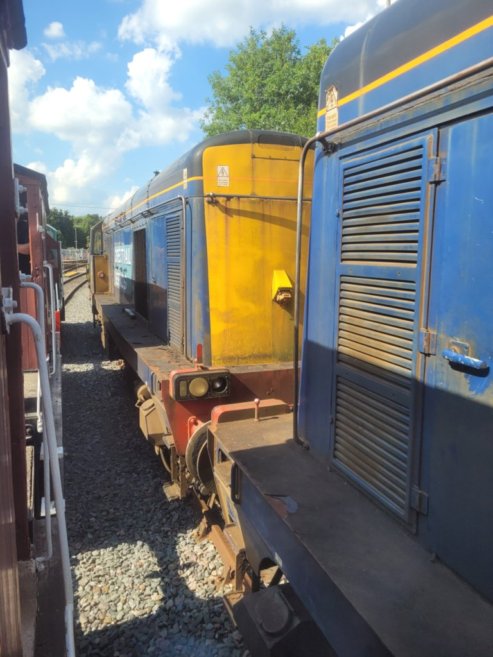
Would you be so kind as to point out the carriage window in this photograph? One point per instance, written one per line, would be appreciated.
(97, 239)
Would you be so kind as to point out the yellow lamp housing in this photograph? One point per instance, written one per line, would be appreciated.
(282, 288)
(193, 385)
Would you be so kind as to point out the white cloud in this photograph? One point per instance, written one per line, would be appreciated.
(83, 114)
(147, 82)
(380, 4)
(25, 71)
(352, 28)
(158, 120)
(54, 30)
(116, 200)
(223, 23)
(73, 176)
(72, 50)
(98, 124)
(40, 167)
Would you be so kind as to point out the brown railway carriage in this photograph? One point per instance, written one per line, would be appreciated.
(14, 538)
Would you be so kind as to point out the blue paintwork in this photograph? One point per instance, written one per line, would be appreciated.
(197, 317)
(416, 27)
(458, 402)
(198, 285)
(440, 67)
(123, 266)
(454, 405)
(156, 266)
(452, 414)
(449, 494)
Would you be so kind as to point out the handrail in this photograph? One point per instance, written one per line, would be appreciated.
(49, 267)
(21, 318)
(40, 312)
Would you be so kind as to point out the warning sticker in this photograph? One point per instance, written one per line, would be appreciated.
(223, 175)
(331, 109)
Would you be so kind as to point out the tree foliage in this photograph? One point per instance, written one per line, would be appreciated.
(269, 85)
(70, 227)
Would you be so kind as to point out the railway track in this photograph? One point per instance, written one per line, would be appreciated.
(73, 283)
(144, 583)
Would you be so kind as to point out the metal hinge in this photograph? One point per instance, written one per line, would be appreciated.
(419, 500)
(7, 307)
(436, 170)
(427, 342)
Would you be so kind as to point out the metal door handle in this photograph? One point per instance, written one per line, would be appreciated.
(466, 361)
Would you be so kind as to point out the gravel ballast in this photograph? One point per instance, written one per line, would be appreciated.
(143, 584)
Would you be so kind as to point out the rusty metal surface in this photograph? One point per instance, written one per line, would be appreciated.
(10, 639)
(243, 410)
(352, 552)
(140, 348)
(153, 361)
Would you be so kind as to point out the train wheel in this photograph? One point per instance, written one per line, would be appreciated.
(198, 461)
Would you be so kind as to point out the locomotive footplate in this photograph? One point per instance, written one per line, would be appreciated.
(366, 583)
(146, 354)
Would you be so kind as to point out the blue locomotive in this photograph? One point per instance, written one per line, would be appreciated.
(192, 283)
(376, 504)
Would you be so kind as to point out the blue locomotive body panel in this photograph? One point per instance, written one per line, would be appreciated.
(402, 51)
(384, 527)
(402, 254)
(458, 398)
(168, 211)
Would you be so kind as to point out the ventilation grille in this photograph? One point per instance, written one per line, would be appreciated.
(372, 442)
(376, 322)
(173, 254)
(381, 209)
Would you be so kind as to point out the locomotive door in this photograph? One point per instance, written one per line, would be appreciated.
(458, 400)
(140, 272)
(381, 288)
(166, 277)
(158, 316)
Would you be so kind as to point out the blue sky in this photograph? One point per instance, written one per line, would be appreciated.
(108, 91)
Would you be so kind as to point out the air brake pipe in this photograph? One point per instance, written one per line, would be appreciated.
(40, 312)
(322, 137)
(18, 318)
(52, 314)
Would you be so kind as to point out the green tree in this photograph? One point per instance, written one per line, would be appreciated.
(269, 85)
(64, 223)
(70, 227)
(83, 225)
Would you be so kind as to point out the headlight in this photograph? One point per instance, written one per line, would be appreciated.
(198, 387)
(199, 384)
(219, 384)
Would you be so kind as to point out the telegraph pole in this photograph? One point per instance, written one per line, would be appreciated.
(76, 258)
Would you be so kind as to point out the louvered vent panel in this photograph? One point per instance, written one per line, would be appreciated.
(376, 321)
(381, 209)
(173, 254)
(372, 441)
